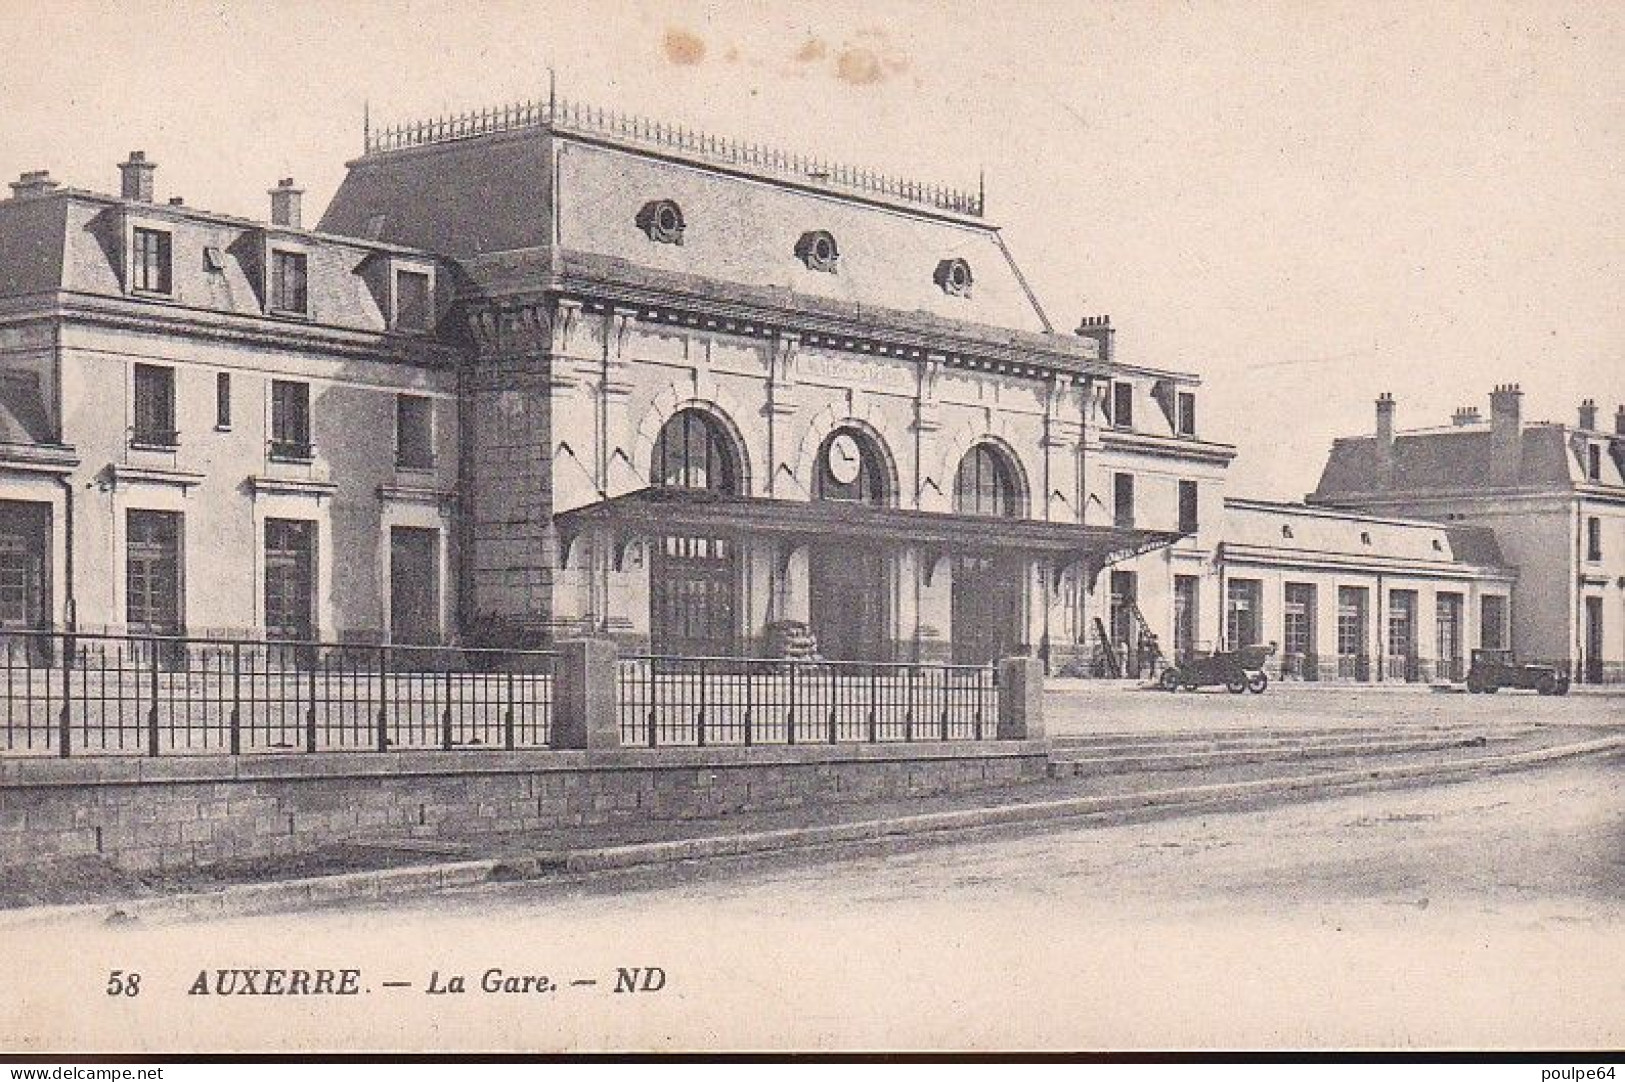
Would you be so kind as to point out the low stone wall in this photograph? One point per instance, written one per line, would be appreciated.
(198, 810)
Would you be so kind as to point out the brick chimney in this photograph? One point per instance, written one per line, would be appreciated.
(28, 185)
(136, 175)
(1619, 421)
(285, 198)
(1506, 434)
(1588, 415)
(1385, 441)
(1466, 415)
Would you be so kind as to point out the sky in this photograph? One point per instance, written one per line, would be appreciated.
(1305, 203)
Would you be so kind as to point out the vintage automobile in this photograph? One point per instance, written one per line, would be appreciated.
(1493, 670)
(1238, 670)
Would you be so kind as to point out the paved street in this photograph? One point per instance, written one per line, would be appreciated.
(1079, 707)
(1487, 913)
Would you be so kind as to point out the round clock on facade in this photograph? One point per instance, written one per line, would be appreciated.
(844, 459)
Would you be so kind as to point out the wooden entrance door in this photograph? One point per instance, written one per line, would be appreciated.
(693, 596)
(986, 609)
(414, 585)
(847, 602)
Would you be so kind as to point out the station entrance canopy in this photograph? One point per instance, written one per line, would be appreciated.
(672, 510)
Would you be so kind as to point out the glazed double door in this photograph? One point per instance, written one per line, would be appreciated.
(847, 588)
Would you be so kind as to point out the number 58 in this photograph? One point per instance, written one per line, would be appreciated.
(120, 983)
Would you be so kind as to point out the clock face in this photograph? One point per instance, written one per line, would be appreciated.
(845, 460)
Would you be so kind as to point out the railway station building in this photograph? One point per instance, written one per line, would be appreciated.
(545, 372)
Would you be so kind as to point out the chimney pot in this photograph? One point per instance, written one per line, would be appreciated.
(1385, 440)
(136, 177)
(1506, 434)
(285, 200)
(35, 182)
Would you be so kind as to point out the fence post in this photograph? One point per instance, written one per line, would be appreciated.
(66, 720)
(310, 707)
(1021, 698)
(152, 711)
(383, 698)
(790, 721)
(585, 698)
(445, 716)
(507, 715)
(236, 698)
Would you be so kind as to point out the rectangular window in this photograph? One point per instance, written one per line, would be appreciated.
(413, 310)
(1123, 499)
(289, 289)
(290, 419)
(1186, 616)
(1298, 629)
(1402, 635)
(150, 261)
(1594, 463)
(1352, 606)
(25, 541)
(1123, 404)
(1187, 507)
(1243, 622)
(1492, 622)
(414, 585)
(1593, 538)
(154, 406)
(222, 400)
(414, 432)
(1187, 413)
(290, 579)
(152, 591)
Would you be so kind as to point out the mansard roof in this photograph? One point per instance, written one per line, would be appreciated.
(1449, 461)
(580, 188)
(71, 243)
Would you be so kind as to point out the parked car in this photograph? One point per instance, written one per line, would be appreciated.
(1493, 670)
(1238, 670)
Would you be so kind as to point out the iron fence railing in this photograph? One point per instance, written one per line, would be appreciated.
(68, 694)
(674, 701)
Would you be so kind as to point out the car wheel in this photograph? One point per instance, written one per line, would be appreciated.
(1190, 687)
(1491, 689)
(1257, 682)
(1547, 684)
(1169, 680)
(1474, 686)
(1235, 685)
(1562, 688)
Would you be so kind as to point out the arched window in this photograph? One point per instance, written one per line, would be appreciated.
(986, 484)
(850, 468)
(694, 452)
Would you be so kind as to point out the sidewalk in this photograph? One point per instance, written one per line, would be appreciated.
(395, 867)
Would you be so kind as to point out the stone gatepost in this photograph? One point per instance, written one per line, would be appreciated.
(1021, 698)
(585, 714)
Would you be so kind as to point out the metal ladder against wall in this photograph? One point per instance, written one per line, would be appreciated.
(1144, 633)
(1108, 652)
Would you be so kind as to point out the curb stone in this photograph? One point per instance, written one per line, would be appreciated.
(253, 898)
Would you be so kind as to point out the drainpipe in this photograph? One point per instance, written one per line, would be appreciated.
(70, 604)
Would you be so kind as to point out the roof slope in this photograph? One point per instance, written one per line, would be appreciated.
(1456, 460)
(496, 193)
(32, 235)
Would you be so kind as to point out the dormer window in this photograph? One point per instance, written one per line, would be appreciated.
(150, 261)
(414, 300)
(1123, 404)
(953, 276)
(662, 220)
(290, 286)
(817, 249)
